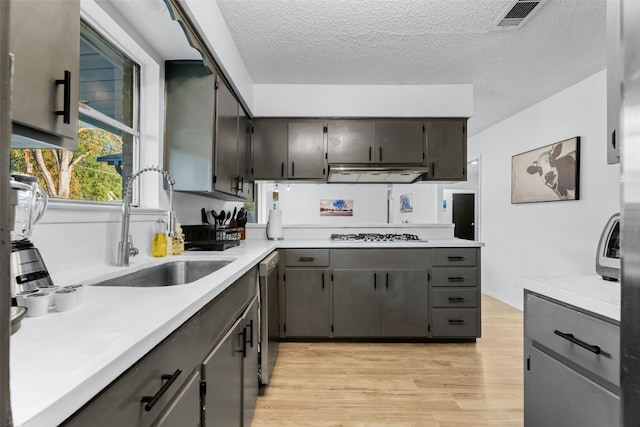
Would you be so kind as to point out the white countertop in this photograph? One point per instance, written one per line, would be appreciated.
(590, 293)
(61, 360)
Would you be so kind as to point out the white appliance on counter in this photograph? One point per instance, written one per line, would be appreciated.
(274, 225)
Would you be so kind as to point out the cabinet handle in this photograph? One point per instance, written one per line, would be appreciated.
(251, 334)
(569, 337)
(456, 322)
(455, 279)
(433, 169)
(375, 281)
(613, 139)
(322, 280)
(244, 342)
(455, 258)
(387, 281)
(456, 299)
(282, 170)
(293, 169)
(380, 153)
(152, 400)
(241, 183)
(66, 108)
(306, 259)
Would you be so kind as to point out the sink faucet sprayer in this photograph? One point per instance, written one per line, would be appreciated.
(125, 247)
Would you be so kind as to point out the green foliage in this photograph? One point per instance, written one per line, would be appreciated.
(90, 179)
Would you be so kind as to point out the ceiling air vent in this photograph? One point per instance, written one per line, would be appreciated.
(518, 14)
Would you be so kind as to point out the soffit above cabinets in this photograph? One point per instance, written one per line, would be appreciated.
(399, 43)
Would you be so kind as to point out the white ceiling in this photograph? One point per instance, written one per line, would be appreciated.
(415, 42)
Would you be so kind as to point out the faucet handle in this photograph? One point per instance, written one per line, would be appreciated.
(133, 251)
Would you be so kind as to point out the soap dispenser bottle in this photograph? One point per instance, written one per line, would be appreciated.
(177, 241)
(159, 243)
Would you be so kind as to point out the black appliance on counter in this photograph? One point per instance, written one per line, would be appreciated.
(375, 237)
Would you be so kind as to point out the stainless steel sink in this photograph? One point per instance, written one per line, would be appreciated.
(169, 274)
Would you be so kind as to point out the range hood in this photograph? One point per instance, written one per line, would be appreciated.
(376, 174)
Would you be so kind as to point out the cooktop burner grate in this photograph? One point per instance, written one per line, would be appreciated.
(374, 237)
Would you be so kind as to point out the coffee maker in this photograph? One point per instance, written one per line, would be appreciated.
(28, 271)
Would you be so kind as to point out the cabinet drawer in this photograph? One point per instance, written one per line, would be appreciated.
(307, 257)
(583, 340)
(452, 276)
(455, 256)
(452, 322)
(455, 297)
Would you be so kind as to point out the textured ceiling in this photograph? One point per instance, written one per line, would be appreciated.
(407, 42)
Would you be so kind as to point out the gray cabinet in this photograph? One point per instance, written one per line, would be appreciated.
(230, 374)
(307, 300)
(399, 141)
(614, 81)
(305, 296)
(356, 303)
(350, 141)
(572, 366)
(206, 147)
(270, 139)
(220, 334)
(45, 92)
(306, 150)
(380, 292)
(289, 149)
(222, 373)
(380, 141)
(446, 149)
(244, 181)
(455, 293)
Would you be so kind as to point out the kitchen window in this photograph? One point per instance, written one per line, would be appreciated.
(107, 131)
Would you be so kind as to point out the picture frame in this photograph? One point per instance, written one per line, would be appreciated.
(336, 207)
(547, 174)
(406, 202)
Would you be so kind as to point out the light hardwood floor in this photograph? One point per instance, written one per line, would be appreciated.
(389, 384)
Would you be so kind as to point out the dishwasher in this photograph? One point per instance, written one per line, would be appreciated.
(269, 338)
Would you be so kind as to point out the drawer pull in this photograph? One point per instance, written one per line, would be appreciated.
(306, 259)
(456, 322)
(455, 279)
(456, 299)
(569, 337)
(455, 258)
(152, 400)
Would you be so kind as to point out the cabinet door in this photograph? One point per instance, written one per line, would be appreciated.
(306, 150)
(307, 303)
(350, 142)
(356, 302)
(270, 149)
(250, 363)
(222, 372)
(190, 112)
(43, 52)
(447, 149)
(404, 303)
(226, 140)
(614, 81)
(557, 396)
(399, 141)
(185, 410)
(245, 179)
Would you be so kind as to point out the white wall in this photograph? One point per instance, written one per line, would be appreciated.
(300, 203)
(553, 238)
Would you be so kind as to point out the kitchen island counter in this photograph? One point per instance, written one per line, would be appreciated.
(590, 293)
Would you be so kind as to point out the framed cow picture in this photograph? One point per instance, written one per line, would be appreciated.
(547, 174)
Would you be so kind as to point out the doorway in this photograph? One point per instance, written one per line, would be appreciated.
(463, 215)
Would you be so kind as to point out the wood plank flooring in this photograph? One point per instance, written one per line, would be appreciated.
(390, 384)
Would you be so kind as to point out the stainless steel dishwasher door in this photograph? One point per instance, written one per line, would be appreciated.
(269, 315)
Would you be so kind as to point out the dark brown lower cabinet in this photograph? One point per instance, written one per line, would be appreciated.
(204, 373)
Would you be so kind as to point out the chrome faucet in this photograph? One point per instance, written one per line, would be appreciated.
(125, 247)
